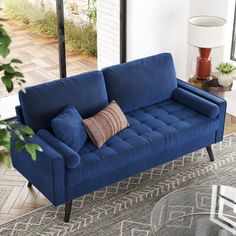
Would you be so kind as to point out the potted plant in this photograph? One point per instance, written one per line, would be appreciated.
(226, 72)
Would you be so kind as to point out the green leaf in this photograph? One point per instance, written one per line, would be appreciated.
(19, 146)
(8, 83)
(226, 68)
(13, 124)
(7, 159)
(31, 148)
(4, 51)
(7, 68)
(8, 75)
(5, 135)
(16, 61)
(5, 40)
(5, 144)
(22, 81)
(38, 148)
(27, 130)
(18, 134)
(18, 74)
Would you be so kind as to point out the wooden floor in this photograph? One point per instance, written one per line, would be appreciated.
(17, 199)
(230, 124)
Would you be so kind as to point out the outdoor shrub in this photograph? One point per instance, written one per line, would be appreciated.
(17, 10)
(81, 39)
(47, 26)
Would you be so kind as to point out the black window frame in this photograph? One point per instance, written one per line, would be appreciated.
(61, 34)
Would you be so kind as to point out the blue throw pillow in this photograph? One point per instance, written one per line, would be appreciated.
(69, 129)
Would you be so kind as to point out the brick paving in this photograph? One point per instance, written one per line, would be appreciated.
(40, 57)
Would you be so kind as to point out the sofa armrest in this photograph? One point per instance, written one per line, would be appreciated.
(72, 158)
(196, 103)
(201, 93)
(47, 172)
(221, 103)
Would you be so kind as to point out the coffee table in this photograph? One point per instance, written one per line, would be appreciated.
(197, 210)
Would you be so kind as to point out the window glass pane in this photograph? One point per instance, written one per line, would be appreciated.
(32, 25)
(80, 35)
(233, 47)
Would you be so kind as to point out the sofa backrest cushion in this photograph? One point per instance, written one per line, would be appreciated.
(141, 82)
(41, 103)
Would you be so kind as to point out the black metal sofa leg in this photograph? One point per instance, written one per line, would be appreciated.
(29, 184)
(210, 153)
(68, 206)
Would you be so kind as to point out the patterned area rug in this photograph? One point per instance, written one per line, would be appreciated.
(124, 208)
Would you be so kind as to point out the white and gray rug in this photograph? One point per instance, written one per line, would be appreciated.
(124, 208)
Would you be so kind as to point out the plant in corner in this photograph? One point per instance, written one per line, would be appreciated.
(226, 72)
(12, 129)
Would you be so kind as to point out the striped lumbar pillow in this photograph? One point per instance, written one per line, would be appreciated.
(105, 124)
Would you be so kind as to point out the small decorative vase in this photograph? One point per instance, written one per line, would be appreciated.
(225, 80)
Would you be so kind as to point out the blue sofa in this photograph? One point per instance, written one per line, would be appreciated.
(168, 118)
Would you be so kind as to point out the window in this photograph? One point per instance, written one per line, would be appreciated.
(34, 42)
(233, 46)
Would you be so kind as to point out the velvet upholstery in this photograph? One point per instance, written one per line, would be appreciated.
(153, 129)
(221, 103)
(71, 157)
(140, 83)
(47, 173)
(68, 127)
(41, 103)
(163, 126)
(121, 173)
(195, 102)
(19, 114)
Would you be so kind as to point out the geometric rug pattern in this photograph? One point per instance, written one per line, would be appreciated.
(196, 210)
(124, 208)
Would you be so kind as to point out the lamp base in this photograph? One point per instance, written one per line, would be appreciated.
(203, 69)
(203, 78)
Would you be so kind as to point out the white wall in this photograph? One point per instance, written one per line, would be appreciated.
(155, 26)
(207, 7)
(108, 32)
(229, 30)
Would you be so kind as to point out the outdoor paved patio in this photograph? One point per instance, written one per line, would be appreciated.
(40, 62)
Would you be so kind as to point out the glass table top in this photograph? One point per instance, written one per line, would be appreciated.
(198, 211)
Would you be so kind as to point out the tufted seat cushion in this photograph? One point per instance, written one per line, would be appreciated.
(152, 130)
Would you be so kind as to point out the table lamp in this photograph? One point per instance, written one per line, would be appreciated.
(205, 32)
